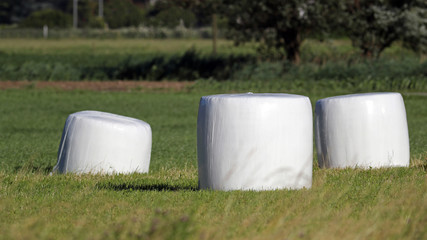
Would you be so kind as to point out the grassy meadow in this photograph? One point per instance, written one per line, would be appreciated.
(165, 204)
(192, 59)
(175, 46)
(389, 203)
(122, 46)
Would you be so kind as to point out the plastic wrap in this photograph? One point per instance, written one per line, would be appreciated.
(255, 142)
(98, 142)
(362, 130)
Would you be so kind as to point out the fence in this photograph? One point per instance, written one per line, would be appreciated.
(131, 32)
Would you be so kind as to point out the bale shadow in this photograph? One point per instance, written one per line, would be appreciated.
(160, 187)
(30, 168)
(422, 167)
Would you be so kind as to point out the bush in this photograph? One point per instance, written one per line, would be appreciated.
(96, 22)
(172, 17)
(188, 66)
(122, 13)
(49, 17)
(383, 74)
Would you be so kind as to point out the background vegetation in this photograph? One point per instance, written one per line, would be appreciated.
(333, 62)
(280, 26)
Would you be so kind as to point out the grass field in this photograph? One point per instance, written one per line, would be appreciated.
(172, 46)
(165, 204)
(192, 59)
(122, 46)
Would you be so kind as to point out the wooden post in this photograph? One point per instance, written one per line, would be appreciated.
(45, 31)
(75, 13)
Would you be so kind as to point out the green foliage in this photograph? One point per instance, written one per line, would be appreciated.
(188, 66)
(168, 14)
(281, 25)
(97, 22)
(49, 17)
(86, 12)
(415, 28)
(385, 75)
(173, 16)
(204, 10)
(122, 13)
(375, 25)
(323, 62)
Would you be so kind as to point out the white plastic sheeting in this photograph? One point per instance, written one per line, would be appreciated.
(255, 142)
(362, 130)
(98, 142)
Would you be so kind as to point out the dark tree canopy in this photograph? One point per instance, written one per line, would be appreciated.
(49, 17)
(170, 14)
(121, 13)
(14, 11)
(281, 25)
(373, 25)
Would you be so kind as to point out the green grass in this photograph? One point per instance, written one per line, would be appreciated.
(336, 60)
(310, 48)
(165, 204)
(120, 46)
(192, 59)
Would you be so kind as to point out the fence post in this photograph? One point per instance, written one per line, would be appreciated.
(45, 31)
(75, 13)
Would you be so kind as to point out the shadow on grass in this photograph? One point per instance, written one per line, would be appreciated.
(144, 187)
(29, 168)
(423, 167)
(189, 66)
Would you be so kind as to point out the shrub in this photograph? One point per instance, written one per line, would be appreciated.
(172, 17)
(122, 13)
(49, 17)
(383, 74)
(96, 22)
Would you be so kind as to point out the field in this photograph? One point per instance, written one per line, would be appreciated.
(191, 59)
(384, 203)
(165, 203)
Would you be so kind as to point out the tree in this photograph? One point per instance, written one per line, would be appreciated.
(166, 13)
(373, 25)
(49, 17)
(278, 24)
(13, 11)
(5, 11)
(121, 13)
(415, 27)
(206, 12)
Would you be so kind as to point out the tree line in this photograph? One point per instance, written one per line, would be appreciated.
(281, 26)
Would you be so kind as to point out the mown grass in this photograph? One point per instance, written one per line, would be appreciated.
(119, 46)
(311, 48)
(192, 59)
(165, 204)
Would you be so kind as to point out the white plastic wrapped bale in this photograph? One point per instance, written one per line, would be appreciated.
(255, 142)
(362, 130)
(98, 142)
